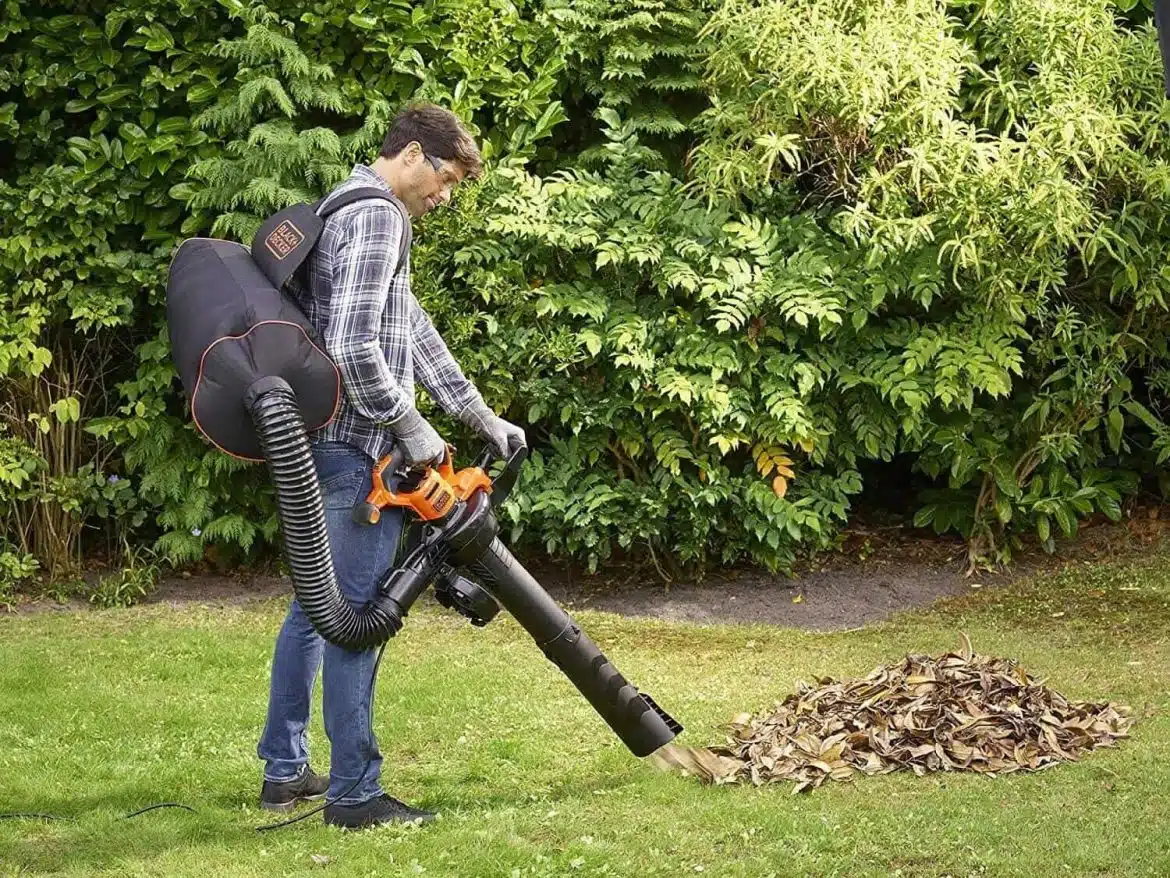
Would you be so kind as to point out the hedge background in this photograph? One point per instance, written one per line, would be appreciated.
(735, 261)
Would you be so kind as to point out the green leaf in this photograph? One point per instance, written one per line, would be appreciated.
(160, 43)
(1005, 478)
(66, 410)
(182, 191)
(115, 93)
(925, 515)
(1110, 507)
(552, 116)
(592, 341)
(114, 21)
(163, 144)
(199, 94)
(1114, 426)
(101, 427)
(1143, 414)
(173, 125)
(130, 131)
(610, 117)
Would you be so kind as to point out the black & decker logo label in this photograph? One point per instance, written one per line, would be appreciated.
(284, 239)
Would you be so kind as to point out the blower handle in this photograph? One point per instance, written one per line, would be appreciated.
(506, 480)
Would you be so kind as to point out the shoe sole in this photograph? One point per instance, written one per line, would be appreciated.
(281, 807)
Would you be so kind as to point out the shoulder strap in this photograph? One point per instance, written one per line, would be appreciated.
(284, 240)
(363, 193)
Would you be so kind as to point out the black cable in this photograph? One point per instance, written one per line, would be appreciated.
(362, 774)
(21, 815)
(14, 815)
(159, 805)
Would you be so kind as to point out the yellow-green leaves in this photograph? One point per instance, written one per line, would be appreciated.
(66, 409)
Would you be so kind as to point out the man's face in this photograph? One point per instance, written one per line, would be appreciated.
(428, 181)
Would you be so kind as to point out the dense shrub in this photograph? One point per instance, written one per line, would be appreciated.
(726, 253)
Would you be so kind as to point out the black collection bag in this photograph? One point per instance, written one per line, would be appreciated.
(231, 323)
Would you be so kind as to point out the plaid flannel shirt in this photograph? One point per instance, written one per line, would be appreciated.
(358, 298)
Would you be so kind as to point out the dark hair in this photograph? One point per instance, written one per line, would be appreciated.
(439, 132)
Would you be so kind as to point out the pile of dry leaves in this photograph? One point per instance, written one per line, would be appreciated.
(956, 712)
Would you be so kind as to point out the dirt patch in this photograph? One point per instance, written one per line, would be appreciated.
(219, 590)
(826, 600)
(212, 589)
(875, 573)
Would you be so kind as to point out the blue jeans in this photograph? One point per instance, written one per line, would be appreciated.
(361, 554)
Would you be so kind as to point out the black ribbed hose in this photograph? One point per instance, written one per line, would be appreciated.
(281, 431)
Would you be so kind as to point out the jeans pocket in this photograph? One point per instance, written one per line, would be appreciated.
(340, 490)
(333, 448)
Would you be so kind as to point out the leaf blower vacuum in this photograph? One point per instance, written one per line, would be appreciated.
(258, 381)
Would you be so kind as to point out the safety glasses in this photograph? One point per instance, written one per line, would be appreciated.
(449, 184)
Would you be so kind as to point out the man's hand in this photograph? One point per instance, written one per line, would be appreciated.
(503, 436)
(419, 442)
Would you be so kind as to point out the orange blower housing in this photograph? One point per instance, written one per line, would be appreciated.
(432, 497)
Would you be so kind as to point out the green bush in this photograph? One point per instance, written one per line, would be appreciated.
(1010, 159)
(726, 254)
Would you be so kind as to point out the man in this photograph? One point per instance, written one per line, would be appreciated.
(356, 292)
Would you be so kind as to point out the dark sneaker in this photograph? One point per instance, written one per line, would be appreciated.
(285, 796)
(383, 809)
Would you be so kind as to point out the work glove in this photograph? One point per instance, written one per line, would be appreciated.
(420, 444)
(501, 435)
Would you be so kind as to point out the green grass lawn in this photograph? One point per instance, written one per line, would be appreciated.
(105, 712)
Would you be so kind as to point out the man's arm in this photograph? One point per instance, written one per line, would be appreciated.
(444, 380)
(435, 367)
(361, 296)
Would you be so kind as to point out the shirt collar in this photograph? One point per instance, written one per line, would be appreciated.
(368, 174)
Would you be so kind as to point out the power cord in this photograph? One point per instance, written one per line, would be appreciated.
(159, 805)
(33, 815)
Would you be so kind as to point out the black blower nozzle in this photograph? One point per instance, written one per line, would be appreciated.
(642, 725)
